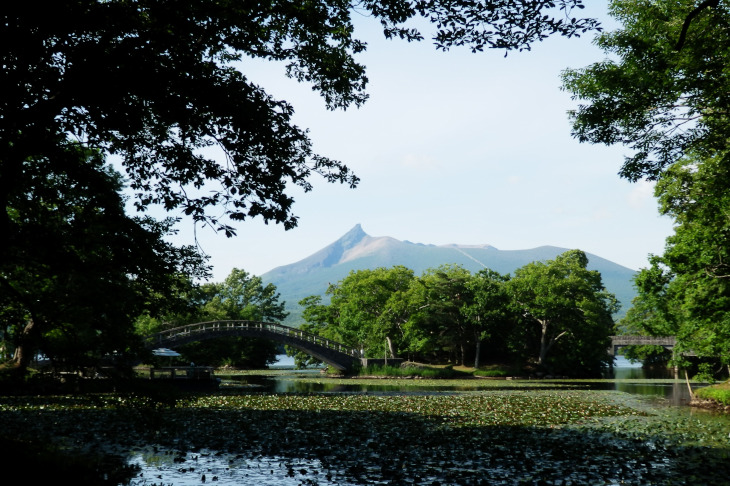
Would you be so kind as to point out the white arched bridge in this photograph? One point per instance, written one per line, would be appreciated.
(326, 350)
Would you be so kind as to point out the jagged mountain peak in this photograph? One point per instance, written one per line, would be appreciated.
(352, 237)
(327, 257)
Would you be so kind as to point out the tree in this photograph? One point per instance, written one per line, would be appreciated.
(663, 88)
(363, 309)
(570, 306)
(666, 96)
(79, 269)
(653, 313)
(241, 296)
(438, 325)
(688, 285)
(317, 320)
(488, 313)
(158, 85)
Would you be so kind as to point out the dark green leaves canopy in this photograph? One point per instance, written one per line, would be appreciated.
(664, 93)
(79, 269)
(663, 89)
(158, 84)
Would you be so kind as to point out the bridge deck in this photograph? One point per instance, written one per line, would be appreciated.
(327, 350)
(668, 342)
(644, 340)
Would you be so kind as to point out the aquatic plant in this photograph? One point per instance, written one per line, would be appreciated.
(498, 436)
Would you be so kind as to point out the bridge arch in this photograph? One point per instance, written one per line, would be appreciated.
(335, 354)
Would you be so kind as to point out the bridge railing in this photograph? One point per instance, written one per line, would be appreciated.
(184, 332)
(627, 340)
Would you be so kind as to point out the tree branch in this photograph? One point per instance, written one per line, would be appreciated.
(694, 13)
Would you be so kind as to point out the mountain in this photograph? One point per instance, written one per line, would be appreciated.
(357, 250)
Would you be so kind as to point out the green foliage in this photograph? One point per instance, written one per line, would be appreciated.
(565, 307)
(663, 92)
(718, 393)
(412, 371)
(76, 270)
(447, 314)
(85, 69)
(705, 373)
(649, 355)
(317, 319)
(201, 139)
(368, 310)
(653, 311)
(685, 293)
(439, 323)
(158, 86)
(694, 193)
(659, 93)
(241, 296)
(489, 314)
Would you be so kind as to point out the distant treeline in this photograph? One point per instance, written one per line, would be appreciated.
(554, 315)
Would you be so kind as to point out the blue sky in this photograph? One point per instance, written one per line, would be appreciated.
(454, 147)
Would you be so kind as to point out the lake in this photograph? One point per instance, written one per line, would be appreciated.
(626, 377)
(298, 469)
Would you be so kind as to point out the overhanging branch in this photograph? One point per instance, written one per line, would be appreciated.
(687, 21)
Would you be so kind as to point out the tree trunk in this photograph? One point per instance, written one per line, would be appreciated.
(390, 347)
(27, 347)
(544, 345)
(689, 387)
(546, 342)
(478, 351)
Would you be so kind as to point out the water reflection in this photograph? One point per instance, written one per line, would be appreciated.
(625, 376)
(222, 469)
(291, 383)
(660, 382)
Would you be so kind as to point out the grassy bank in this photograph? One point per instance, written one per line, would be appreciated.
(719, 394)
(444, 372)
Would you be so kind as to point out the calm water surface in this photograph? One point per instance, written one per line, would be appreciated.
(625, 377)
(208, 466)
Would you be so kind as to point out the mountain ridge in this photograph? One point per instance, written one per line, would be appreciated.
(356, 250)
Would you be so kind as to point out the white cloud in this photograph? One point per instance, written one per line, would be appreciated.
(642, 192)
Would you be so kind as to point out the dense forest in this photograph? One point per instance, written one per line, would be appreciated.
(555, 315)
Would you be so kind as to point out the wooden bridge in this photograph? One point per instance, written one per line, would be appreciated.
(328, 351)
(668, 342)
